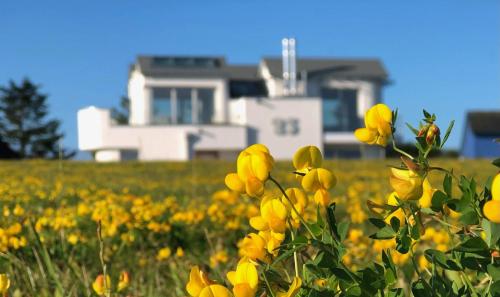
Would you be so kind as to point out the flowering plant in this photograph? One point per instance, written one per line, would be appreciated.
(289, 254)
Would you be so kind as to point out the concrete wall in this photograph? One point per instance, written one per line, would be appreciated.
(175, 142)
(282, 124)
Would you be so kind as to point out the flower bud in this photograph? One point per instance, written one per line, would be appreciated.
(406, 183)
(432, 133)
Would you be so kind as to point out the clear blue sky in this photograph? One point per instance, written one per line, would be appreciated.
(441, 55)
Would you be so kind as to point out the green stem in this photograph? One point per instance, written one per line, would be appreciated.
(293, 206)
(400, 150)
(295, 257)
(267, 284)
(464, 277)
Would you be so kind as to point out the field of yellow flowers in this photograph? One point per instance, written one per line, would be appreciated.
(158, 219)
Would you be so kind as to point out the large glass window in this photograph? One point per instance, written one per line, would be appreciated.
(340, 109)
(162, 106)
(205, 105)
(184, 106)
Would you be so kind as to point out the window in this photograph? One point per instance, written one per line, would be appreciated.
(162, 106)
(182, 106)
(340, 109)
(205, 105)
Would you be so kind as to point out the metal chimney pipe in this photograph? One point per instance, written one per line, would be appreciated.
(293, 66)
(286, 65)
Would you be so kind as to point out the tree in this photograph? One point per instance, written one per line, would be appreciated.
(121, 114)
(24, 124)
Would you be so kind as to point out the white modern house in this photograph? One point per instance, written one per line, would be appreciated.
(201, 107)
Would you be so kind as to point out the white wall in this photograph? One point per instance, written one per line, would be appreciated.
(175, 142)
(137, 95)
(264, 115)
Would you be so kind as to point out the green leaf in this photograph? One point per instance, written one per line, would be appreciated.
(390, 273)
(421, 289)
(473, 245)
(343, 228)
(395, 224)
(414, 130)
(379, 223)
(426, 114)
(438, 199)
(495, 289)
(494, 271)
(447, 183)
(385, 233)
(403, 240)
(396, 292)
(441, 259)
(496, 162)
(447, 133)
(469, 217)
(332, 221)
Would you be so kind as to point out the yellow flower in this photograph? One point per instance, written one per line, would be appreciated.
(299, 200)
(4, 283)
(307, 158)
(322, 197)
(245, 279)
(198, 280)
(273, 240)
(292, 290)
(215, 291)
(273, 215)
(423, 262)
(318, 178)
(428, 191)
(253, 167)
(163, 254)
(491, 210)
(179, 252)
(234, 183)
(378, 121)
(406, 183)
(398, 213)
(253, 246)
(124, 281)
(101, 284)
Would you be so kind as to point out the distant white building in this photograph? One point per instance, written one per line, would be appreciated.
(200, 107)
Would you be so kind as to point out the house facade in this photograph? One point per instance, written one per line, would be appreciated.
(482, 129)
(183, 108)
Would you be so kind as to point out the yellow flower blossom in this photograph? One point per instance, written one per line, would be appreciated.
(307, 158)
(124, 281)
(253, 246)
(198, 280)
(292, 290)
(163, 254)
(253, 167)
(273, 215)
(245, 279)
(378, 121)
(4, 283)
(406, 183)
(101, 284)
